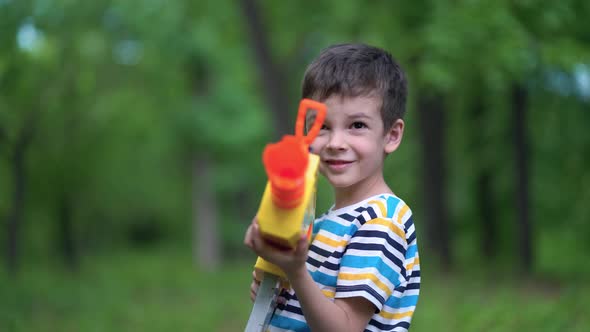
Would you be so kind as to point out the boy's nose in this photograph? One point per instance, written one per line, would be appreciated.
(336, 141)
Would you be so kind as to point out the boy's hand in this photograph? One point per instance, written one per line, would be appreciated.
(256, 279)
(254, 286)
(289, 260)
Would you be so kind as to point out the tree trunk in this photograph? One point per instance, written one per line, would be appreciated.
(485, 207)
(207, 248)
(272, 78)
(521, 158)
(16, 214)
(66, 239)
(484, 198)
(16, 211)
(432, 122)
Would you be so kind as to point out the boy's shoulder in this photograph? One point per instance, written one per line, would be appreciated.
(384, 208)
(379, 206)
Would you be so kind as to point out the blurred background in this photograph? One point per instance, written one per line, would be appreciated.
(131, 135)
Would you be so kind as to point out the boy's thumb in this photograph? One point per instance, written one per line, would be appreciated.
(302, 244)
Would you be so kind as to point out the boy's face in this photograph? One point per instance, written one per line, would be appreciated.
(353, 143)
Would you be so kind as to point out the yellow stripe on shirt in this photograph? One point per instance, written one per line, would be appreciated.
(364, 276)
(326, 240)
(328, 293)
(402, 213)
(389, 224)
(411, 265)
(381, 207)
(395, 315)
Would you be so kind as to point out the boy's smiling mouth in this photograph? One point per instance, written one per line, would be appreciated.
(337, 164)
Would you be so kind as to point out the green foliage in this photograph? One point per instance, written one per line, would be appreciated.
(161, 291)
(158, 291)
(124, 95)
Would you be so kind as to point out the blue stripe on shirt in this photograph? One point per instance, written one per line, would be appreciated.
(404, 302)
(380, 248)
(392, 203)
(360, 262)
(411, 251)
(287, 323)
(336, 228)
(323, 278)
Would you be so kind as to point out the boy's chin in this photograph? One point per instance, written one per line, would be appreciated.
(339, 183)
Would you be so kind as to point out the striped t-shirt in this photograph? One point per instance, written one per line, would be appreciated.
(367, 250)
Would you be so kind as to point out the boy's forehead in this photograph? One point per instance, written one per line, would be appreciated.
(350, 106)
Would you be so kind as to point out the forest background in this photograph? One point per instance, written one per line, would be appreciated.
(131, 135)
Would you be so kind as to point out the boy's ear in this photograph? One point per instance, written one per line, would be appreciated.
(393, 137)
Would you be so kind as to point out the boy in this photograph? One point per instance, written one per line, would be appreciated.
(361, 271)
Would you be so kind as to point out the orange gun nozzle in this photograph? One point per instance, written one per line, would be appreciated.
(285, 163)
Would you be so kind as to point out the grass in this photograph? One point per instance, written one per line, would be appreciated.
(486, 303)
(163, 291)
(160, 291)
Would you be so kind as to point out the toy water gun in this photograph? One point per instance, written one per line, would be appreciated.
(287, 207)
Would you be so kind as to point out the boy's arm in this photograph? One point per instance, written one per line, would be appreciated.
(321, 314)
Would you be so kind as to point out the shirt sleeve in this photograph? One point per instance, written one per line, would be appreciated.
(372, 265)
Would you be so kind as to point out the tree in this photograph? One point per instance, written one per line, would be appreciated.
(274, 87)
(17, 157)
(18, 125)
(521, 164)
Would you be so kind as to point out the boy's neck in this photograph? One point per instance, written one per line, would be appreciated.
(360, 191)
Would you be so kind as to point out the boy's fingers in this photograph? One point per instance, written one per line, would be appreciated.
(257, 242)
(253, 290)
(250, 240)
(255, 278)
(248, 237)
(270, 252)
(254, 287)
(301, 245)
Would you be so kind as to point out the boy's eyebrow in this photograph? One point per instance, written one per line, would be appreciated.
(359, 116)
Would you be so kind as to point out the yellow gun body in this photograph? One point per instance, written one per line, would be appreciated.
(283, 227)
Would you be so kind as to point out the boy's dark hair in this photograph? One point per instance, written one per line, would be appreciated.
(353, 70)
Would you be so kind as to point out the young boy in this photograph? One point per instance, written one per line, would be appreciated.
(361, 271)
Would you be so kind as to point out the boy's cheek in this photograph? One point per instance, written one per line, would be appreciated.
(317, 145)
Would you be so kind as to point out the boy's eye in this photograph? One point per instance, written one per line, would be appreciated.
(358, 125)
